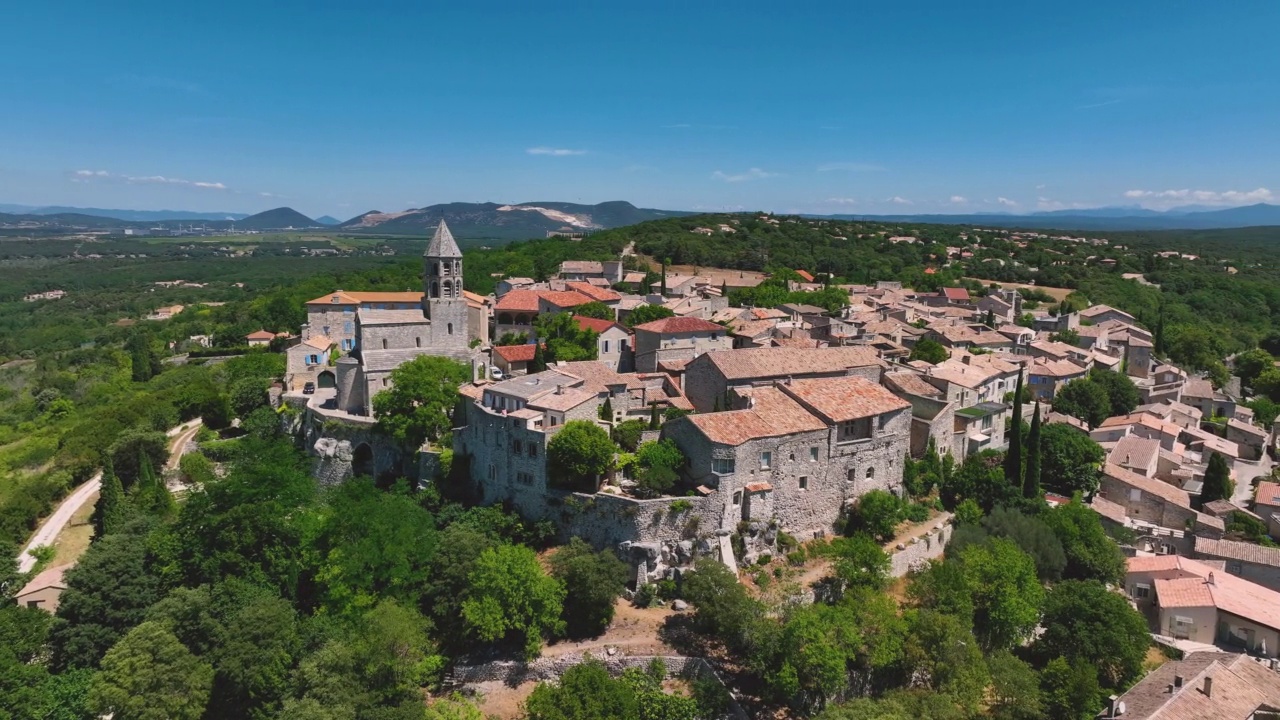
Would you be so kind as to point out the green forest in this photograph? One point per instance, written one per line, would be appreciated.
(260, 595)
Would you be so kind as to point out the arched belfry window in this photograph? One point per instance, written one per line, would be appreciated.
(448, 289)
(435, 268)
(435, 289)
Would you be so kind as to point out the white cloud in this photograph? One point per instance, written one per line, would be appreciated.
(556, 152)
(1006, 202)
(959, 199)
(751, 174)
(1040, 186)
(841, 201)
(1044, 203)
(1205, 197)
(92, 173)
(898, 200)
(849, 167)
(162, 180)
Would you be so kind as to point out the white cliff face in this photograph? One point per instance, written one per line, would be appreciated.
(582, 221)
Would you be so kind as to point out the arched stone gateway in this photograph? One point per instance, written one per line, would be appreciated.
(326, 379)
(362, 461)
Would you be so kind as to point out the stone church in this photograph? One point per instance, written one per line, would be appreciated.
(375, 332)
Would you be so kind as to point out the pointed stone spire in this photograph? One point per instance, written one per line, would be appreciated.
(442, 244)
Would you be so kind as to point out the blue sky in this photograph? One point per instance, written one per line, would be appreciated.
(852, 107)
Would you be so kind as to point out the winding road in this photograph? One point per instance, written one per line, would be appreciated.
(57, 522)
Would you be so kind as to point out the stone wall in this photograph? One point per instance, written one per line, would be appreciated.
(544, 669)
(917, 552)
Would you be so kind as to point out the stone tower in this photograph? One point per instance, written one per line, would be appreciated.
(443, 302)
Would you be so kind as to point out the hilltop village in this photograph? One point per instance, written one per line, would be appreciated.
(783, 417)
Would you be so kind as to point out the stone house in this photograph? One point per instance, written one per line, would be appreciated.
(1251, 438)
(1044, 376)
(1005, 306)
(597, 294)
(677, 338)
(1199, 394)
(515, 312)
(1254, 563)
(260, 338)
(1266, 503)
(1156, 504)
(308, 361)
(613, 343)
(797, 452)
(709, 377)
(1099, 314)
(578, 270)
(514, 360)
(506, 285)
(1193, 600)
(1230, 686)
(1165, 384)
(558, 301)
(334, 315)
(1136, 454)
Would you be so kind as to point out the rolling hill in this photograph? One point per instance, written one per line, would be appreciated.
(1106, 218)
(506, 222)
(277, 219)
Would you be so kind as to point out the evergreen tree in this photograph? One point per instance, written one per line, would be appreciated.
(139, 347)
(1013, 458)
(1217, 480)
(724, 288)
(654, 422)
(539, 362)
(152, 496)
(112, 510)
(1031, 480)
(606, 411)
(665, 261)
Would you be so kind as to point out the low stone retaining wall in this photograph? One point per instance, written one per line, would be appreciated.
(917, 552)
(549, 669)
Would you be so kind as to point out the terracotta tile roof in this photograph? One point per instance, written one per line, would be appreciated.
(260, 335)
(516, 353)
(957, 373)
(772, 414)
(1234, 550)
(1107, 509)
(757, 487)
(911, 383)
(356, 298)
(844, 398)
(518, 301)
(956, 294)
(593, 292)
(600, 326)
(1133, 451)
(753, 328)
(595, 375)
(1055, 368)
(1163, 490)
(51, 577)
(563, 298)
(1246, 428)
(780, 362)
(1268, 494)
(567, 399)
(804, 274)
(1183, 592)
(667, 326)
(767, 314)
(319, 342)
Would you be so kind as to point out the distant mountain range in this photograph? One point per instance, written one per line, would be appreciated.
(507, 222)
(483, 221)
(129, 215)
(1191, 217)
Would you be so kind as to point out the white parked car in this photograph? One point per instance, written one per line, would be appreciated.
(495, 373)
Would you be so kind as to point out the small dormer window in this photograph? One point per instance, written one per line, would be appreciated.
(336, 300)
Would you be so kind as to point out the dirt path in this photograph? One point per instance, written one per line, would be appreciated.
(634, 631)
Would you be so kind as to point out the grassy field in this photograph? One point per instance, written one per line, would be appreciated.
(1058, 294)
(74, 538)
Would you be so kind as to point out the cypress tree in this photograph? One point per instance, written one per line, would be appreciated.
(654, 423)
(1217, 480)
(539, 362)
(1031, 481)
(1013, 458)
(606, 411)
(724, 288)
(664, 277)
(152, 496)
(112, 509)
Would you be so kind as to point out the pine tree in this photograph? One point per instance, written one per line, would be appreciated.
(1031, 481)
(654, 423)
(112, 509)
(152, 496)
(139, 347)
(1013, 458)
(1217, 480)
(539, 362)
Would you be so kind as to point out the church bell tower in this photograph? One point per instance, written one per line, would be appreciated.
(443, 302)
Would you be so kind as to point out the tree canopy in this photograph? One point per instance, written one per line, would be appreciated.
(418, 405)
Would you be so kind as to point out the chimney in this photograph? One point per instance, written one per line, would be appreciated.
(788, 381)
(1210, 578)
(559, 389)
(1177, 681)
(1208, 687)
(965, 360)
(1126, 458)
